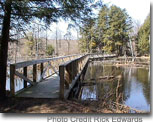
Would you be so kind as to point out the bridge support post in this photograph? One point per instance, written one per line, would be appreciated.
(25, 74)
(34, 72)
(61, 73)
(12, 73)
(41, 68)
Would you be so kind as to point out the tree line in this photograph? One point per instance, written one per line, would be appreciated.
(20, 13)
(111, 32)
(143, 38)
(107, 33)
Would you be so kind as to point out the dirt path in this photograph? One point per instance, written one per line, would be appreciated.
(20, 105)
(51, 106)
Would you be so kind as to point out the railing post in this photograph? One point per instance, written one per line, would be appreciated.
(49, 63)
(25, 74)
(69, 73)
(69, 58)
(75, 68)
(77, 65)
(12, 74)
(34, 72)
(72, 67)
(61, 73)
(41, 68)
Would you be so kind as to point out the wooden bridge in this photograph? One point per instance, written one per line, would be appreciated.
(52, 77)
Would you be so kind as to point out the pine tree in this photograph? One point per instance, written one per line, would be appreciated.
(102, 27)
(110, 32)
(118, 31)
(22, 12)
(143, 38)
(87, 42)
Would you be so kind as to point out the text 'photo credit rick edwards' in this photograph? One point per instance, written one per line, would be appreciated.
(94, 119)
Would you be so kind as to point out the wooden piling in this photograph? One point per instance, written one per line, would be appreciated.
(34, 72)
(25, 74)
(12, 75)
(41, 68)
(61, 73)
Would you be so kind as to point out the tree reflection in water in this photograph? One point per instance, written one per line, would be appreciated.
(129, 85)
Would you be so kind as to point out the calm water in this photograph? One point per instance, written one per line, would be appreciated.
(19, 83)
(128, 84)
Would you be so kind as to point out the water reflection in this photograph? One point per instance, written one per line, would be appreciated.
(89, 92)
(19, 83)
(125, 84)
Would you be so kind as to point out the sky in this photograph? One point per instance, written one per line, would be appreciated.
(137, 9)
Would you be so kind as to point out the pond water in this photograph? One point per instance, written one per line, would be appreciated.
(127, 85)
(19, 83)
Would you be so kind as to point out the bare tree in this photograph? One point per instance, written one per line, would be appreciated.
(56, 41)
(67, 37)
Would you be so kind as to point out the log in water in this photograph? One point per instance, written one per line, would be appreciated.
(129, 86)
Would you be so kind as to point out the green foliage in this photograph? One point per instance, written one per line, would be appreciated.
(117, 32)
(50, 50)
(83, 44)
(19, 13)
(103, 25)
(143, 37)
(109, 33)
(88, 36)
(30, 44)
(48, 11)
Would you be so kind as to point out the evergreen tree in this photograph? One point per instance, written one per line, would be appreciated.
(102, 27)
(87, 41)
(134, 36)
(22, 12)
(50, 50)
(110, 32)
(144, 37)
(118, 32)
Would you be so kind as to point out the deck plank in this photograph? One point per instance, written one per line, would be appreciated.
(48, 88)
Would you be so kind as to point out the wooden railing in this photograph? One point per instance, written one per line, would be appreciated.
(100, 56)
(74, 71)
(70, 73)
(69, 68)
(23, 69)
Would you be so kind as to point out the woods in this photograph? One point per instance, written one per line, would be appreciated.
(144, 37)
(38, 62)
(111, 32)
(18, 14)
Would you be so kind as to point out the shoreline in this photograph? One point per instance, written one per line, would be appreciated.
(30, 105)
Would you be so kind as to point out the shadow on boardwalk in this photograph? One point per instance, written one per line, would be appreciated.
(49, 88)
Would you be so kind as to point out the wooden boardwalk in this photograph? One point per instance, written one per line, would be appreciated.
(48, 88)
(66, 71)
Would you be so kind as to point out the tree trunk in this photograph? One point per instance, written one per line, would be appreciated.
(4, 48)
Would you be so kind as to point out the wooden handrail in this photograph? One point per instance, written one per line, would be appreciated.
(69, 68)
(34, 63)
(70, 72)
(74, 70)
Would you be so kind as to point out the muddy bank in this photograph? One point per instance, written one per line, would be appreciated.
(20, 105)
(122, 87)
(102, 105)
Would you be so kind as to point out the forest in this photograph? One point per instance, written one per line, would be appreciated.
(17, 16)
(113, 31)
(25, 29)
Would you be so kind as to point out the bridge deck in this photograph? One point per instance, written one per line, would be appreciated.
(48, 88)
(51, 87)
